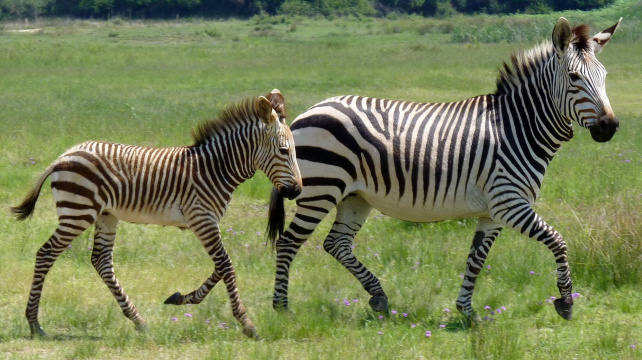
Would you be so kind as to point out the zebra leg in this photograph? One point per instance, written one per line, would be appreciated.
(352, 212)
(196, 296)
(102, 260)
(525, 220)
(210, 235)
(45, 258)
(485, 235)
(310, 212)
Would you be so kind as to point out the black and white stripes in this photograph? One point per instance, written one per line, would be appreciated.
(188, 187)
(483, 157)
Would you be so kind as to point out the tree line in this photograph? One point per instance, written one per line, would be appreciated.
(163, 9)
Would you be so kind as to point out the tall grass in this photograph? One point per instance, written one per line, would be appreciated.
(155, 80)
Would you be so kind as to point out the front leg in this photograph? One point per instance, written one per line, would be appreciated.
(485, 235)
(208, 232)
(524, 219)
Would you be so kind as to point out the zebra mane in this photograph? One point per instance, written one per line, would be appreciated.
(524, 64)
(232, 117)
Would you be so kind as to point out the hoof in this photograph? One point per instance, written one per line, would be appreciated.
(36, 331)
(472, 320)
(379, 303)
(142, 328)
(281, 306)
(564, 307)
(251, 333)
(174, 299)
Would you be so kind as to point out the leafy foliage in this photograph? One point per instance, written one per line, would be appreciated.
(18, 9)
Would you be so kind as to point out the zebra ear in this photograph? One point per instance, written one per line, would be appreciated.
(600, 40)
(562, 37)
(278, 103)
(264, 109)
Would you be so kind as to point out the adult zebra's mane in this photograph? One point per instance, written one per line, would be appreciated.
(525, 64)
(232, 117)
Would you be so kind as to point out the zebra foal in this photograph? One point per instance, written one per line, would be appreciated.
(187, 187)
(483, 157)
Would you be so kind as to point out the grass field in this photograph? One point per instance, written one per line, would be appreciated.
(149, 83)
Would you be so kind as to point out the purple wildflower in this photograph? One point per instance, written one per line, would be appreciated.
(413, 325)
(446, 311)
(376, 255)
(173, 319)
(380, 317)
(461, 276)
(428, 333)
(380, 332)
(394, 312)
(207, 322)
(404, 315)
(487, 307)
(355, 300)
(346, 302)
(442, 326)
(633, 347)
(575, 295)
(188, 315)
(532, 272)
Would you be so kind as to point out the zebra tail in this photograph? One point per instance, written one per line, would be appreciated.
(276, 216)
(26, 208)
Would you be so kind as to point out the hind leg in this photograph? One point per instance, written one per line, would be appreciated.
(352, 212)
(102, 260)
(68, 229)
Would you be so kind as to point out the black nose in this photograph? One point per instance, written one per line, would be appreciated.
(605, 127)
(291, 192)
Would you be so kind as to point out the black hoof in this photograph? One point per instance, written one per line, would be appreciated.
(251, 333)
(564, 307)
(379, 303)
(174, 299)
(37, 332)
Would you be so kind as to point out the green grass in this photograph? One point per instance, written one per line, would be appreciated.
(148, 83)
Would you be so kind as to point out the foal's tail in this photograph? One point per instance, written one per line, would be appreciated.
(25, 209)
(276, 216)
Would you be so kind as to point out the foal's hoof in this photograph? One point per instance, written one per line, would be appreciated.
(251, 333)
(142, 328)
(174, 299)
(564, 307)
(36, 331)
(379, 303)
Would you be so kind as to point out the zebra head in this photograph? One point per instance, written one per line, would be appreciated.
(277, 157)
(582, 78)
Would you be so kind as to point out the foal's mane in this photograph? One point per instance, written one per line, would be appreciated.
(524, 64)
(232, 117)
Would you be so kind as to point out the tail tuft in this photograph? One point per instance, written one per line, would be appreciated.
(276, 216)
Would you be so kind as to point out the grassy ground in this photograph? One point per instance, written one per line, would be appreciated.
(149, 83)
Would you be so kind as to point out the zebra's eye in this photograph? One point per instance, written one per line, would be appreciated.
(574, 76)
(283, 150)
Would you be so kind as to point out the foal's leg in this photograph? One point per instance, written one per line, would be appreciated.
(352, 212)
(210, 235)
(485, 235)
(69, 228)
(102, 259)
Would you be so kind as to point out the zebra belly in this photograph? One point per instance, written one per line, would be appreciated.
(171, 216)
(473, 205)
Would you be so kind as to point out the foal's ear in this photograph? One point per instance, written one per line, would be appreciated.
(264, 109)
(562, 37)
(600, 40)
(278, 103)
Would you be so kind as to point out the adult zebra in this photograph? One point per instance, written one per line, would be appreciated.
(187, 187)
(483, 157)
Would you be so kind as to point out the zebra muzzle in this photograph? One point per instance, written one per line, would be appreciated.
(605, 127)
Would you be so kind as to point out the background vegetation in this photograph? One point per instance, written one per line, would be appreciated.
(149, 82)
(32, 9)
